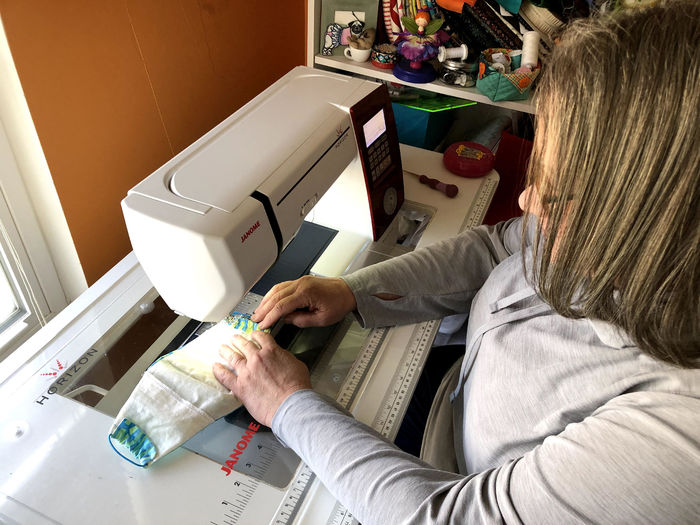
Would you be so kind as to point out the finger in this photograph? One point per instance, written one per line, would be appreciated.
(283, 307)
(231, 354)
(262, 339)
(245, 345)
(277, 292)
(266, 315)
(225, 376)
(276, 289)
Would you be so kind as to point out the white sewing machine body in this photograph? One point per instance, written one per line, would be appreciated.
(222, 210)
(57, 466)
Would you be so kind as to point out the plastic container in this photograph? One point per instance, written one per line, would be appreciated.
(468, 159)
(457, 73)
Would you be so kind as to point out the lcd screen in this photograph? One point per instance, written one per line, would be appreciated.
(374, 127)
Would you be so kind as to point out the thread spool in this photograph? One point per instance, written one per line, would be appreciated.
(453, 53)
(531, 45)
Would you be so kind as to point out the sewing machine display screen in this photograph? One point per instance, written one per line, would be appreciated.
(374, 127)
(377, 145)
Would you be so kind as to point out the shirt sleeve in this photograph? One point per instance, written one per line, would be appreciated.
(635, 460)
(435, 281)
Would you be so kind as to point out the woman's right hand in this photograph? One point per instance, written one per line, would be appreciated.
(308, 301)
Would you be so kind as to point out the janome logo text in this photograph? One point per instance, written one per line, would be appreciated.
(240, 447)
(250, 231)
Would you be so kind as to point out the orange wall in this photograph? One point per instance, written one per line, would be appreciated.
(117, 88)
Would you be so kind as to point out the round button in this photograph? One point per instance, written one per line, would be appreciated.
(391, 199)
(146, 308)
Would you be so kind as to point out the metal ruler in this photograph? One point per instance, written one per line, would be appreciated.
(361, 368)
(387, 420)
(480, 205)
(395, 402)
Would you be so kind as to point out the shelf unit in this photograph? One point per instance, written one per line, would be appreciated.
(340, 63)
(368, 70)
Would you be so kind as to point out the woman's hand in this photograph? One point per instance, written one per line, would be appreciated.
(264, 374)
(325, 300)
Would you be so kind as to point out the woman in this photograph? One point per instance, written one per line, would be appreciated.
(578, 396)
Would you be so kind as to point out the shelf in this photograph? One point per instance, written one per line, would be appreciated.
(368, 70)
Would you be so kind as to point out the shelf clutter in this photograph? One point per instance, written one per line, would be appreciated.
(438, 57)
(488, 51)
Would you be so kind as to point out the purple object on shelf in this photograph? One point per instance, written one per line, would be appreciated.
(404, 71)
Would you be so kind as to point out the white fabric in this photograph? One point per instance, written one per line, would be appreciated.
(178, 395)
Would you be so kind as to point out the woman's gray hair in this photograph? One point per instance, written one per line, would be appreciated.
(616, 161)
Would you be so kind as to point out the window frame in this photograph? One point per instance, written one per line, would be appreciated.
(35, 241)
(37, 288)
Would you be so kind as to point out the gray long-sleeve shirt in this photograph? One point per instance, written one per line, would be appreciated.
(555, 420)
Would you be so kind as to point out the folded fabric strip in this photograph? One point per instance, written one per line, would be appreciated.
(177, 396)
(129, 435)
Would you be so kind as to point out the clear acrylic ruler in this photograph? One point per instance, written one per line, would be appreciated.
(377, 391)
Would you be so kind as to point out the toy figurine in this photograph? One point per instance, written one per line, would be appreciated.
(419, 43)
(332, 40)
(364, 40)
(422, 19)
(337, 35)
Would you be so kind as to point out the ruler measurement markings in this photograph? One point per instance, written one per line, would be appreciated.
(302, 484)
(385, 418)
(341, 516)
(391, 406)
(404, 384)
(236, 506)
(358, 373)
(349, 391)
(478, 209)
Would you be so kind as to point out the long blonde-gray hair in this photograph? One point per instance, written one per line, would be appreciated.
(616, 163)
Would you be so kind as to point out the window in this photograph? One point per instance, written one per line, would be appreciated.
(39, 268)
(9, 297)
(20, 311)
(23, 299)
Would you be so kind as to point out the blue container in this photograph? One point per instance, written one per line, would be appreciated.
(424, 122)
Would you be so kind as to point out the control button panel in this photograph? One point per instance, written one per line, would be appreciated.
(379, 157)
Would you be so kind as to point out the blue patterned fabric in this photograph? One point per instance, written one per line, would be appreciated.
(130, 435)
(243, 323)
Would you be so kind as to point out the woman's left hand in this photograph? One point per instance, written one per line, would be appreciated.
(265, 374)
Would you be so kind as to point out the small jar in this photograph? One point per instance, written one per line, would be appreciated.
(457, 73)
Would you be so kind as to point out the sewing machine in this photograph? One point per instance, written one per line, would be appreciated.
(207, 229)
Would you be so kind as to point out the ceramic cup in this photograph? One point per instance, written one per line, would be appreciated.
(358, 55)
(383, 56)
